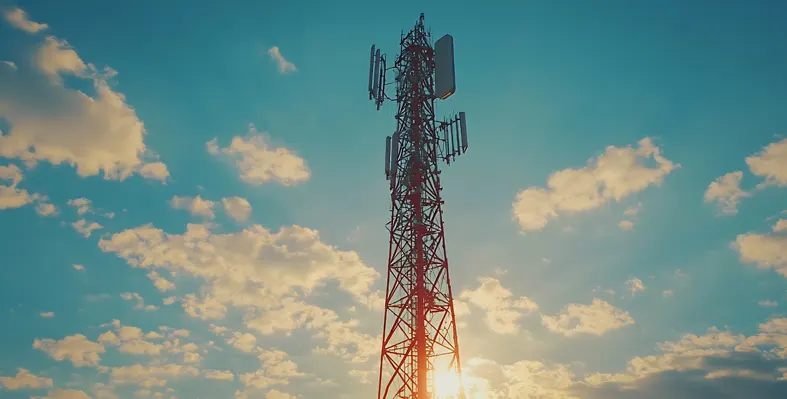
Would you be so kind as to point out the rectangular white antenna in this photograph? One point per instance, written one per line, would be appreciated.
(445, 80)
(376, 72)
(463, 127)
(387, 156)
(394, 153)
(371, 71)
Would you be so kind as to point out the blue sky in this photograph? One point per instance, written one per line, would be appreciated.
(617, 228)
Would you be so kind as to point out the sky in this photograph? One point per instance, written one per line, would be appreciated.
(193, 200)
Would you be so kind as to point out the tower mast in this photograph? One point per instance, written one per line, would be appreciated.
(419, 332)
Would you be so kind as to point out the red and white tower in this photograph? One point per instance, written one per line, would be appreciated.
(420, 344)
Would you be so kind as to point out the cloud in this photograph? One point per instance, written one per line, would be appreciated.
(53, 123)
(503, 311)
(238, 208)
(10, 195)
(25, 380)
(79, 267)
(64, 394)
(19, 19)
(244, 342)
(780, 226)
(82, 205)
(667, 293)
(727, 192)
(768, 304)
(47, 315)
(46, 209)
(283, 65)
(259, 162)
(81, 351)
(10, 64)
(134, 296)
(86, 228)
(263, 273)
(160, 283)
(196, 206)
(635, 285)
(767, 251)
(595, 319)
(626, 225)
(614, 175)
(771, 163)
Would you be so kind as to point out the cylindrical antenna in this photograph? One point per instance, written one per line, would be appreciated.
(454, 143)
(463, 129)
(371, 72)
(376, 72)
(445, 137)
(387, 156)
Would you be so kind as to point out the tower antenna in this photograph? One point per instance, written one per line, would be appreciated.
(420, 341)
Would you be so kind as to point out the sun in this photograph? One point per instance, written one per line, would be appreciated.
(446, 385)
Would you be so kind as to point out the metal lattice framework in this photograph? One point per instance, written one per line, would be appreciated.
(419, 333)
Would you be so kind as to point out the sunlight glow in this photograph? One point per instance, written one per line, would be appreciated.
(446, 385)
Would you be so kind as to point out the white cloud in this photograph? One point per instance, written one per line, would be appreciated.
(626, 225)
(161, 283)
(46, 209)
(595, 319)
(634, 210)
(635, 285)
(47, 315)
(771, 163)
(614, 175)
(263, 273)
(259, 162)
(86, 229)
(768, 251)
(219, 375)
(19, 19)
(238, 208)
(768, 304)
(77, 348)
(503, 311)
(10, 195)
(64, 394)
(25, 380)
(10, 64)
(780, 226)
(726, 190)
(283, 65)
(82, 205)
(667, 293)
(197, 206)
(53, 123)
(134, 296)
(243, 341)
(79, 267)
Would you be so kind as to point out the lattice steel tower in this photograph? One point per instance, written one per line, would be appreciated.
(419, 341)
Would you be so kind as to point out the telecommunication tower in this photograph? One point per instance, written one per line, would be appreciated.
(420, 341)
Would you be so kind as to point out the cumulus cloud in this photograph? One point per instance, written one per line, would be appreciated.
(771, 163)
(81, 351)
(64, 394)
(134, 296)
(11, 196)
(503, 311)
(238, 208)
(726, 190)
(197, 206)
(24, 379)
(635, 285)
(282, 63)
(614, 175)
(597, 318)
(19, 19)
(54, 123)
(767, 251)
(86, 228)
(259, 162)
(262, 272)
